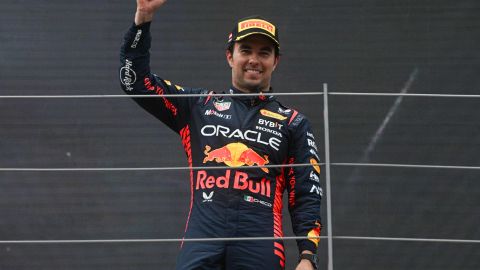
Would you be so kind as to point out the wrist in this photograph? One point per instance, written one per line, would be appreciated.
(143, 17)
(310, 257)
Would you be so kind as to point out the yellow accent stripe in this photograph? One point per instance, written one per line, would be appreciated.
(313, 234)
(268, 113)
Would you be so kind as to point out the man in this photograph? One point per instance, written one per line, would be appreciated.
(242, 132)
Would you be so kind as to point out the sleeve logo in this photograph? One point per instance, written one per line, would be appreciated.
(127, 76)
(137, 39)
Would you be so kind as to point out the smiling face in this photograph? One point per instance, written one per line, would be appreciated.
(252, 61)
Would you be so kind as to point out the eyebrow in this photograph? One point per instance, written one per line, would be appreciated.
(266, 48)
(245, 46)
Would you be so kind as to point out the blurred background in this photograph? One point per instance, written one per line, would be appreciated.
(72, 48)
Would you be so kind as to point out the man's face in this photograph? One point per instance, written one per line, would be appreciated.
(252, 62)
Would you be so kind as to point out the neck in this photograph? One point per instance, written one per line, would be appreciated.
(249, 91)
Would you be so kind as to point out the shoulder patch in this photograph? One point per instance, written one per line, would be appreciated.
(208, 97)
(295, 119)
(285, 111)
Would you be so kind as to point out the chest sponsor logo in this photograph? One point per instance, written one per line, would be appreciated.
(248, 135)
(207, 197)
(217, 114)
(270, 114)
(271, 131)
(233, 179)
(235, 155)
(222, 105)
(127, 75)
(270, 124)
(251, 199)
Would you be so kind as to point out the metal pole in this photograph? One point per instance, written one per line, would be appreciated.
(327, 175)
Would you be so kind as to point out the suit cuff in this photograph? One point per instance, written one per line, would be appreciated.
(306, 244)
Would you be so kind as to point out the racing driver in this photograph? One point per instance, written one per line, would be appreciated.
(243, 135)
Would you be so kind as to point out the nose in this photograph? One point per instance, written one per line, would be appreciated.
(253, 59)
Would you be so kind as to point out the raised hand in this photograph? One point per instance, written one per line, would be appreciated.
(146, 9)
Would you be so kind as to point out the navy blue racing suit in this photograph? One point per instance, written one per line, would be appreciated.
(233, 131)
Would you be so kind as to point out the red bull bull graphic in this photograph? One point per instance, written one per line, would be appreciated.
(219, 155)
(235, 155)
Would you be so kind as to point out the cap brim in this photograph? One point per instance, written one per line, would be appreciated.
(258, 33)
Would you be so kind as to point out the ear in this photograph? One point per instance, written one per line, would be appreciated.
(276, 61)
(229, 57)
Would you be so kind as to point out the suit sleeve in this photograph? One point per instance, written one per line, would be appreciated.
(136, 79)
(304, 190)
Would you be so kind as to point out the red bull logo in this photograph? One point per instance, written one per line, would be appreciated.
(235, 155)
(240, 181)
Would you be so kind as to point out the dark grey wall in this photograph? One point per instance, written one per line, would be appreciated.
(71, 47)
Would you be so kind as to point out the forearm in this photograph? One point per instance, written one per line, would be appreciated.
(135, 59)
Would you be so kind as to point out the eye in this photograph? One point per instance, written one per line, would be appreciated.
(265, 53)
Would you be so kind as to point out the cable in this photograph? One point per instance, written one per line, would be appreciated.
(152, 168)
(244, 94)
(464, 241)
(408, 166)
(159, 96)
(244, 167)
(170, 240)
(166, 240)
(402, 94)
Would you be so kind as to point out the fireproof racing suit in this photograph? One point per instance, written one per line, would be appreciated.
(233, 131)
